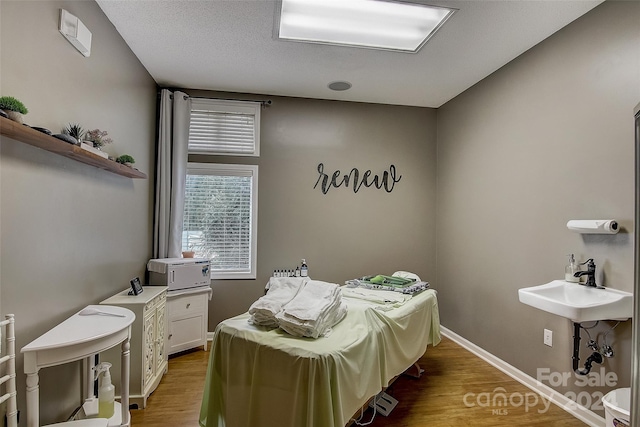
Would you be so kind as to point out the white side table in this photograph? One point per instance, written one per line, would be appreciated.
(79, 337)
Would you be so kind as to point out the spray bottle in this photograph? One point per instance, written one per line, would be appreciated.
(106, 391)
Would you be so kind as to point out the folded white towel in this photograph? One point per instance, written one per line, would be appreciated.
(300, 306)
(313, 329)
(263, 319)
(314, 298)
(284, 315)
(281, 291)
(313, 311)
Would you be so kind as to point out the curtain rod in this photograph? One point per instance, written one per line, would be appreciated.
(263, 103)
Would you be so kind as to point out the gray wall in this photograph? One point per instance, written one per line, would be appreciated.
(72, 234)
(545, 139)
(342, 234)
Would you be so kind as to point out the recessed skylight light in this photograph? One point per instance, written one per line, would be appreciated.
(378, 24)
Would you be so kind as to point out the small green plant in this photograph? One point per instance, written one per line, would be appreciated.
(125, 158)
(11, 104)
(74, 130)
(98, 137)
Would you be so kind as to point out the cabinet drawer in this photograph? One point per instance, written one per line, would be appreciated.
(148, 307)
(187, 304)
(151, 305)
(161, 297)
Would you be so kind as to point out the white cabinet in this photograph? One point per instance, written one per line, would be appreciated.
(188, 318)
(149, 358)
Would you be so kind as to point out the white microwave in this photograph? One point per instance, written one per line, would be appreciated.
(179, 273)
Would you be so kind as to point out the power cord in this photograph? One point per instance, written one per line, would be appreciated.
(359, 420)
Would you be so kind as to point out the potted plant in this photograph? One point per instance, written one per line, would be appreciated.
(75, 131)
(125, 159)
(98, 138)
(13, 108)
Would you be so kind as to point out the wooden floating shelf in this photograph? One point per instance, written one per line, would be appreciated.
(30, 136)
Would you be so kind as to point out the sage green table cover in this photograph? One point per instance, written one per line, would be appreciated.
(266, 378)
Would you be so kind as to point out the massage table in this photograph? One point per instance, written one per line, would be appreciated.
(259, 377)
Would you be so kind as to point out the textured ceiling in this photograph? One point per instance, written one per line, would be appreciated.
(230, 46)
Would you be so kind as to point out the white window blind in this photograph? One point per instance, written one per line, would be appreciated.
(220, 217)
(224, 127)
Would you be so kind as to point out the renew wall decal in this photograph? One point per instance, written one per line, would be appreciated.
(386, 181)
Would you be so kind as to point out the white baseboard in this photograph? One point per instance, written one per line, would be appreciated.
(580, 412)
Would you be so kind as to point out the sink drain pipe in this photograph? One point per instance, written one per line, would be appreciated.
(595, 356)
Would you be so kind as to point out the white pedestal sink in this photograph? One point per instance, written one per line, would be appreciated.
(577, 302)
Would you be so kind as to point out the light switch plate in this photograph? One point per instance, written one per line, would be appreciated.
(548, 337)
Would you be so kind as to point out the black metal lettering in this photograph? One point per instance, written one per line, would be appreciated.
(387, 181)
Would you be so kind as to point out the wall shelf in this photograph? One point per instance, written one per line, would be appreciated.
(30, 136)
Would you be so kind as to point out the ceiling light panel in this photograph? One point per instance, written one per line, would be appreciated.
(378, 24)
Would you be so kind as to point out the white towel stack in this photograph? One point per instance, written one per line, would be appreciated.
(281, 291)
(315, 309)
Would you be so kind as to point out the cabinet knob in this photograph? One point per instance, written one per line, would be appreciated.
(188, 305)
(170, 335)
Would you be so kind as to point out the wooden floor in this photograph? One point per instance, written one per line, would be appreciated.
(456, 390)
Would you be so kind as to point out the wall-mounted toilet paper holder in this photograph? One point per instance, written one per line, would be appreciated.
(594, 226)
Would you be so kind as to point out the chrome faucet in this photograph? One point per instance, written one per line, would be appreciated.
(590, 273)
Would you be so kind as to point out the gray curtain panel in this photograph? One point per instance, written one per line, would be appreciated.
(171, 170)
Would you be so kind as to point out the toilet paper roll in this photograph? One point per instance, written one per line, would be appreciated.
(594, 226)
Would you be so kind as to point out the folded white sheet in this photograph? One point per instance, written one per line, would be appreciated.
(281, 291)
(406, 275)
(314, 298)
(382, 300)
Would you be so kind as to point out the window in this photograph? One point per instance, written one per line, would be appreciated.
(221, 200)
(224, 127)
(220, 217)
